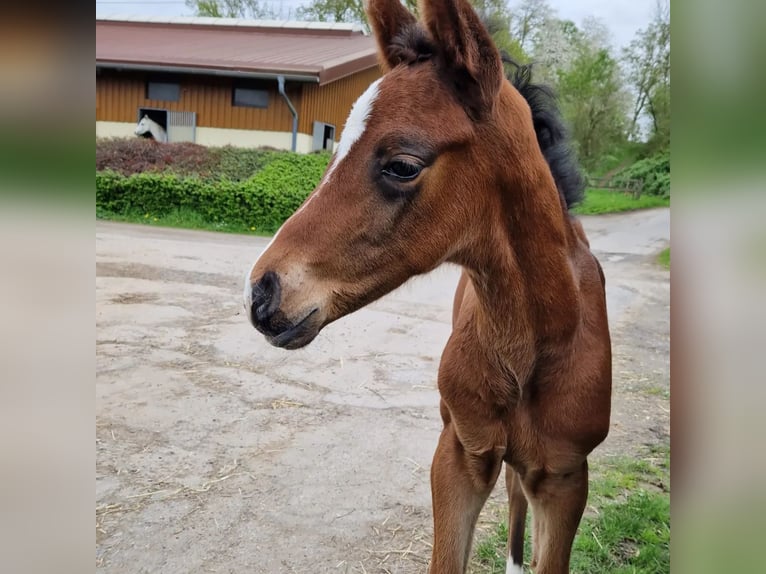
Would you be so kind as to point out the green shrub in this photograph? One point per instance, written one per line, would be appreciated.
(264, 201)
(286, 182)
(239, 164)
(613, 160)
(653, 171)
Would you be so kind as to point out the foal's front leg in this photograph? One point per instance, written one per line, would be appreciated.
(461, 481)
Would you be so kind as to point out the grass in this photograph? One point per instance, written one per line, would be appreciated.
(489, 554)
(598, 201)
(180, 218)
(657, 391)
(626, 526)
(664, 258)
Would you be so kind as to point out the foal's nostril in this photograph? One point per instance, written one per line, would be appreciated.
(266, 298)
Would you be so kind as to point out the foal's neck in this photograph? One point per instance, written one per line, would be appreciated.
(523, 276)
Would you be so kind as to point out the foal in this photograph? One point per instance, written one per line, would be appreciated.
(441, 160)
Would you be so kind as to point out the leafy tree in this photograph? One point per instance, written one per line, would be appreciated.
(498, 20)
(231, 8)
(341, 11)
(593, 97)
(647, 60)
(554, 48)
(334, 11)
(528, 21)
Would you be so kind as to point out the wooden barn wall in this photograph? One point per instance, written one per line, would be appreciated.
(118, 97)
(331, 103)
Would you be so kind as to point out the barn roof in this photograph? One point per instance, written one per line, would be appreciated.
(301, 51)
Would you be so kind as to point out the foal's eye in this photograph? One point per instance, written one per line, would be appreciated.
(402, 170)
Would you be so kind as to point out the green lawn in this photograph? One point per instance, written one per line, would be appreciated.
(664, 257)
(607, 201)
(182, 218)
(626, 527)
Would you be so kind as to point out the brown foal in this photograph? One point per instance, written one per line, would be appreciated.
(442, 160)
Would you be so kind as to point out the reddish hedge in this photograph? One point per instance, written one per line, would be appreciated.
(139, 155)
(129, 156)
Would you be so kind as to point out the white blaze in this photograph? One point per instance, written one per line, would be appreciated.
(352, 131)
(355, 124)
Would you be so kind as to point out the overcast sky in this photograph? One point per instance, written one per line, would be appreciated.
(622, 17)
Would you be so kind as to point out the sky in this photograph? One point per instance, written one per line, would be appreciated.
(622, 17)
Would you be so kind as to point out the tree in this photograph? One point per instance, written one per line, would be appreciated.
(554, 48)
(341, 11)
(578, 63)
(231, 8)
(528, 20)
(593, 96)
(497, 19)
(647, 60)
(334, 11)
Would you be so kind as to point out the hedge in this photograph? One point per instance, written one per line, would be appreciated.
(138, 155)
(653, 171)
(264, 201)
(129, 156)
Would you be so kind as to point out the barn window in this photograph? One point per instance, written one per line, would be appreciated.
(250, 98)
(165, 91)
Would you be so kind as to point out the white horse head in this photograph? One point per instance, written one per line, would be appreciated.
(149, 125)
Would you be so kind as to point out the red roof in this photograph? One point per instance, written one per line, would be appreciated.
(309, 51)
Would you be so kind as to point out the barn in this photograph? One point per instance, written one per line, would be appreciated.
(220, 81)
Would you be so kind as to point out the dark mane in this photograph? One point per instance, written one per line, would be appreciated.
(552, 134)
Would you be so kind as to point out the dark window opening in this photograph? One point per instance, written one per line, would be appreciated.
(164, 91)
(159, 116)
(329, 137)
(323, 136)
(250, 98)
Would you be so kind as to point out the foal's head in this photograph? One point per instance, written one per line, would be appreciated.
(415, 175)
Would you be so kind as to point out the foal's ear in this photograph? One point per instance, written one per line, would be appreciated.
(388, 19)
(469, 54)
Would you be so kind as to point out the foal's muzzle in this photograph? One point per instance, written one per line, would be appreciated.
(267, 317)
(265, 302)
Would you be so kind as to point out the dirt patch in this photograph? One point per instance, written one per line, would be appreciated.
(218, 453)
(166, 275)
(134, 298)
